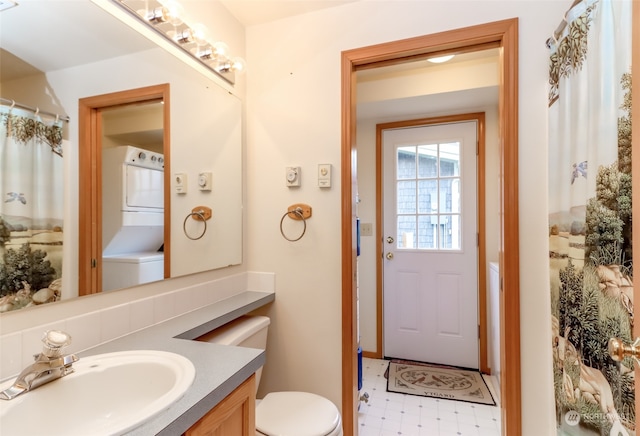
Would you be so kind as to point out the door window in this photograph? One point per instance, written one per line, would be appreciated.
(428, 206)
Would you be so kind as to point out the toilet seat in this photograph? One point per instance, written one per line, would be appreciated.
(297, 414)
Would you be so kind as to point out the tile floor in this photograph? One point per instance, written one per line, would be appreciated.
(389, 413)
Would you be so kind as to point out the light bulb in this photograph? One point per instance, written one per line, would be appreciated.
(221, 50)
(200, 33)
(238, 65)
(175, 11)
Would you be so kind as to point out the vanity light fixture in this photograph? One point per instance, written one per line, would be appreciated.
(184, 37)
(157, 15)
(166, 17)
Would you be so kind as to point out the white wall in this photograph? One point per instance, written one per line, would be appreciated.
(293, 105)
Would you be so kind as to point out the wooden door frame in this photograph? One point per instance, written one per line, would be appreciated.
(481, 266)
(503, 34)
(90, 178)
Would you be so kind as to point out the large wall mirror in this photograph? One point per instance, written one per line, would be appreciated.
(53, 54)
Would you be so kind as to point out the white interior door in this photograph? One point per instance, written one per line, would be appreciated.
(430, 275)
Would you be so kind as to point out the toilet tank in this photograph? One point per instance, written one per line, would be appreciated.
(246, 331)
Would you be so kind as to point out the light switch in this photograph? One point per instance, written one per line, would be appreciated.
(324, 175)
(180, 183)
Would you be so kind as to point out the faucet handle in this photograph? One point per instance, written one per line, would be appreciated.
(54, 341)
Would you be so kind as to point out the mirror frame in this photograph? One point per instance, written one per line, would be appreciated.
(90, 179)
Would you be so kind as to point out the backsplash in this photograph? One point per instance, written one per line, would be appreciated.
(94, 328)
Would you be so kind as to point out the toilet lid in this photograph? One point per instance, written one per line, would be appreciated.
(296, 414)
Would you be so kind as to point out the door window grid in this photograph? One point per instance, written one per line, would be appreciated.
(428, 197)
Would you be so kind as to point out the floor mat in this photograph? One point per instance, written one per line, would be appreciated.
(438, 381)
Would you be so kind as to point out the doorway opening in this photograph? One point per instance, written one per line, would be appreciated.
(91, 124)
(449, 230)
(501, 34)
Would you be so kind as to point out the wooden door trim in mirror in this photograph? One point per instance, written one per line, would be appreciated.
(505, 34)
(90, 176)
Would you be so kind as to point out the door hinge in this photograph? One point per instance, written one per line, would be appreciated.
(94, 263)
(478, 331)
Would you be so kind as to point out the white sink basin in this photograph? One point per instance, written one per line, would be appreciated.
(107, 394)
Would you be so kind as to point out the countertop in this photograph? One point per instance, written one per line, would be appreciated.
(219, 369)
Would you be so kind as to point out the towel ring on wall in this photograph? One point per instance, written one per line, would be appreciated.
(298, 212)
(199, 213)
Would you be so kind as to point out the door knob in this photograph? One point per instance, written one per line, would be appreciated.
(389, 255)
(390, 240)
(618, 350)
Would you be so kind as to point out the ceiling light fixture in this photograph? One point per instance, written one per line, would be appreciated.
(441, 59)
(167, 19)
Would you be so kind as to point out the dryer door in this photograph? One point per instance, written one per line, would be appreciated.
(144, 189)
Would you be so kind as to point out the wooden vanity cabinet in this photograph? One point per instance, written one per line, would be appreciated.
(233, 416)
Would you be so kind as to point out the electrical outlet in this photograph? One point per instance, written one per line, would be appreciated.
(366, 229)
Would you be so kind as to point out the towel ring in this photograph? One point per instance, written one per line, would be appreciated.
(200, 213)
(300, 213)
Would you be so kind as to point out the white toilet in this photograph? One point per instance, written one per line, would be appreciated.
(279, 413)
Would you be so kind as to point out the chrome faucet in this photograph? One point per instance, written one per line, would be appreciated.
(49, 365)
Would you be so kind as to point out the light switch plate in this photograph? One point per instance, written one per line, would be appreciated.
(180, 183)
(324, 175)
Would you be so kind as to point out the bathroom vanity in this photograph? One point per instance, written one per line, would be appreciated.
(235, 415)
(222, 395)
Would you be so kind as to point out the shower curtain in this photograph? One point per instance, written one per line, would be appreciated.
(31, 209)
(590, 252)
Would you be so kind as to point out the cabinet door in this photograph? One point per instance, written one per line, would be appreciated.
(233, 416)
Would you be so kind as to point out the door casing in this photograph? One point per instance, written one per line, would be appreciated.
(502, 34)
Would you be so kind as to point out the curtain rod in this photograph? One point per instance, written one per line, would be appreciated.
(36, 110)
(562, 24)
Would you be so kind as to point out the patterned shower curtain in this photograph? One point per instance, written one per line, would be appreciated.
(31, 209)
(590, 252)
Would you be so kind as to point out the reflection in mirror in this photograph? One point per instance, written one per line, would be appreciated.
(132, 195)
(31, 213)
(84, 51)
(123, 233)
(168, 19)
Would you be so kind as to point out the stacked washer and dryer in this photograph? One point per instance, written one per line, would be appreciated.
(132, 217)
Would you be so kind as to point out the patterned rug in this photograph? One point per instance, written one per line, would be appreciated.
(438, 381)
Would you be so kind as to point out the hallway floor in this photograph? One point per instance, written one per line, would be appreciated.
(388, 413)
